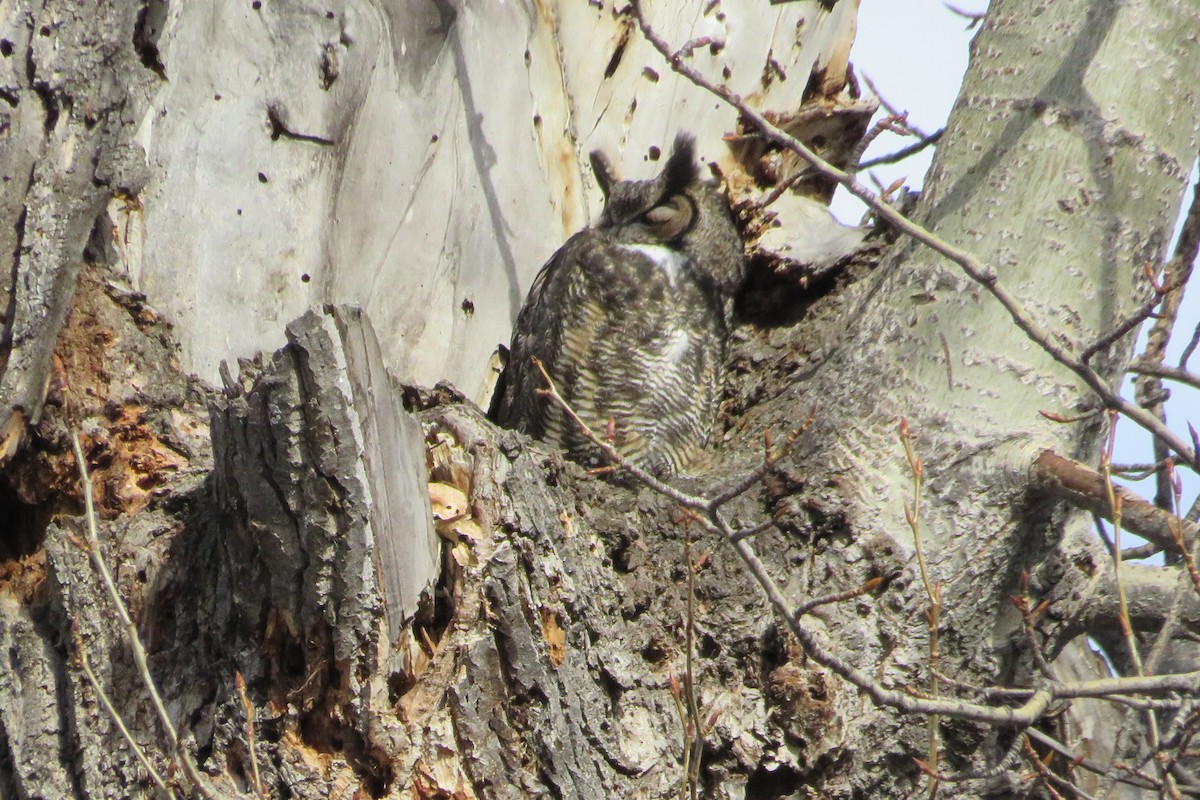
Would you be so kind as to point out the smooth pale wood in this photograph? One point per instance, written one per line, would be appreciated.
(406, 551)
(427, 157)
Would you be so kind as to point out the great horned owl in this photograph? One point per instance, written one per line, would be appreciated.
(631, 319)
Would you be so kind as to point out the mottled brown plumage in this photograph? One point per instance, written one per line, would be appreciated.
(631, 319)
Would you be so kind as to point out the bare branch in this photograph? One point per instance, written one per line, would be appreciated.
(1049, 777)
(707, 513)
(1001, 766)
(977, 271)
(1091, 765)
(1175, 279)
(1132, 646)
(1191, 347)
(895, 123)
(131, 634)
(894, 110)
(1140, 551)
(973, 18)
(1171, 373)
(770, 458)
(1127, 325)
(781, 187)
(1137, 472)
(1085, 488)
(904, 152)
(1166, 634)
(1029, 615)
(248, 708)
(838, 597)
(1148, 389)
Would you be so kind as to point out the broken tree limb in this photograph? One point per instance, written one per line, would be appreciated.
(321, 476)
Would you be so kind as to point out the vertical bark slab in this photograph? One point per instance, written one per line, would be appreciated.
(74, 88)
(33, 731)
(405, 551)
(329, 533)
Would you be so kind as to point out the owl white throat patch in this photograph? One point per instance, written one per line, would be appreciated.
(670, 261)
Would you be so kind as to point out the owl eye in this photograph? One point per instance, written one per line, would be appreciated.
(671, 218)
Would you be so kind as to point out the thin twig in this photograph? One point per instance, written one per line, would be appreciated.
(1182, 727)
(903, 152)
(1131, 644)
(1029, 617)
(1148, 389)
(892, 109)
(248, 708)
(912, 514)
(113, 714)
(753, 530)
(708, 515)
(676, 690)
(972, 17)
(1187, 554)
(983, 773)
(971, 266)
(1176, 274)
(131, 634)
(837, 597)
(773, 453)
(781, 187)
(696, 745)
(1179, 374)
(1049, 777)
(1141, 551)
(1127, 325)
(893, 123)
(1091, 765)
(1138, 472)
(1190, 348)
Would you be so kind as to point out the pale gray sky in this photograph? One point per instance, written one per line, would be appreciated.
(915, 53)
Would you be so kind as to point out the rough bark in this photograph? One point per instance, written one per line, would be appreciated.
(551, 665)
(544, 661)
(74, 89)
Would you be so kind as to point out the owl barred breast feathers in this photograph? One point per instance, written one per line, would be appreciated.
(630, 319)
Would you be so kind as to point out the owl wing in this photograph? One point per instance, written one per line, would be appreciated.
(548, 322)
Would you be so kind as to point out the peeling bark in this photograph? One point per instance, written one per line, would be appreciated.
(278, 529)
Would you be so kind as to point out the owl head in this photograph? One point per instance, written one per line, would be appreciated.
(675, 209)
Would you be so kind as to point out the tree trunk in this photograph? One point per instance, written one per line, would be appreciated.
(189, 181)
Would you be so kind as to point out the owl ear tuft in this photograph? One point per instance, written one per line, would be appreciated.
(603, 169)
(681, 171)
